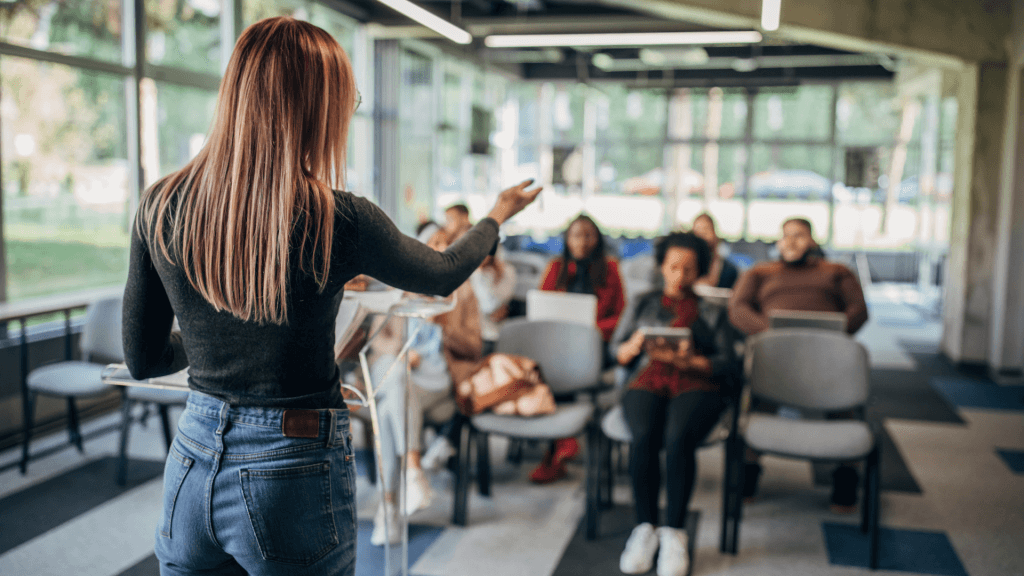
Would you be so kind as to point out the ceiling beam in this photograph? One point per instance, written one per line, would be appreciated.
(947, 33)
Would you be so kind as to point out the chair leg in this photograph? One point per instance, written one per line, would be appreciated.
(371, 468)
(592, 483)
(165, 422)
(515, 451)
(28, 412)
(461, 508)
(126, 425)
(74, 431)
(483, 463)
(727, 495)
(736, 509)
(874, 477)
(608, 471)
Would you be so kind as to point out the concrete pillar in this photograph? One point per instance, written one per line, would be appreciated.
(1006, 344)
(967, 298)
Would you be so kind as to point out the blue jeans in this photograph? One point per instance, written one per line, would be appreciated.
(241, 498)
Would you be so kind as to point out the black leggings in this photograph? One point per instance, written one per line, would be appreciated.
(678, 424)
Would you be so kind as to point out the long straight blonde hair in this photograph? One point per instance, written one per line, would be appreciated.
(275, 151)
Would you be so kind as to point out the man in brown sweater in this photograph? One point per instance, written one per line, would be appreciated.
(801, 280)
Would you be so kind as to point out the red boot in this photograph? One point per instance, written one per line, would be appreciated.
(547, 471)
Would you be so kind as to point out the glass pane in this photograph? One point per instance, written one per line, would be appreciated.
(416, 141)
(866, 113)
(788, 181)
(631, 169)
(359, 173)
(66, 187)
(800, 113)
(184, 34)
(175, 122)
(703, 113)
(451, 152)
(74, 27)
(710, 179)
(528, 97)
(624, 114)
(338, 25)
(453, 105)
(567, 113)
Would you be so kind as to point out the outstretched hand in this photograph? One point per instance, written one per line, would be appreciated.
(512, 200)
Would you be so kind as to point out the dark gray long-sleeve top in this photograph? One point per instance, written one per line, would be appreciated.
(290, 365)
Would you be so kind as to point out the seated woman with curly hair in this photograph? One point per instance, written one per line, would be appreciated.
(674, 399)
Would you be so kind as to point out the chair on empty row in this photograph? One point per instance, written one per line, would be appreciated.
(817, 371)
(75, 380)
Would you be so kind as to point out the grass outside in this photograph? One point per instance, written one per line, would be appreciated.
(44, 267)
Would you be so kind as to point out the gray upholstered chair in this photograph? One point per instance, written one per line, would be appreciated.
(616, 430)
(162, 400)
(569, 356)
(818, 371)
(72, 380)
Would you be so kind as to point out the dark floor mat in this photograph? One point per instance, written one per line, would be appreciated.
(907, 395)
(600, 556)
(44, 506)
(148, 566)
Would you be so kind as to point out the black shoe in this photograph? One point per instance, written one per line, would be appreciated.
(751, 474)
(844, 490)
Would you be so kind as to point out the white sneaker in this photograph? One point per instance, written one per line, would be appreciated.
(638, 557)
(674, 558)
(437, 454)
(418, 493)
(391, 533)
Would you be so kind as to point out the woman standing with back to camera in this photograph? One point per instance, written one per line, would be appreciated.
(250, 245)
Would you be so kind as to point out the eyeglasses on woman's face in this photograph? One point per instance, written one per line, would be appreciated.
(359, 100)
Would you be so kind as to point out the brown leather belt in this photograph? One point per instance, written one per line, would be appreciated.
(301, 423)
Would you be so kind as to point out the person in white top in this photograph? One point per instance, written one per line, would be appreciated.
(494, 283)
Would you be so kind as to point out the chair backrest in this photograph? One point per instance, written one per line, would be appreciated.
(101, 336)
(569, 355)
(808, 368)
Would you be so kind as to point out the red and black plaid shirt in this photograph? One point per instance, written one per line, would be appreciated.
(665, 379)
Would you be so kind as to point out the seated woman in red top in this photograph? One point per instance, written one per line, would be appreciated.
(674, 399)
(583, 268)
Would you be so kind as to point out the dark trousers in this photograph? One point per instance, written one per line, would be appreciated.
(679, 425)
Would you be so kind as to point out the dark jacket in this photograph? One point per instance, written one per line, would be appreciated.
(712, 336)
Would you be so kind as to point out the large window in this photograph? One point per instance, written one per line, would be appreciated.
(752, 158)
(72, 146)
(65, 178)
(71, 27)
(184, 34)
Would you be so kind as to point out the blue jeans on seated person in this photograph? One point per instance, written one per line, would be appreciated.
(242, 498)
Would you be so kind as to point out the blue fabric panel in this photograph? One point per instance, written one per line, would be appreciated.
(915, 551)
(969, 393)
(1014, 459)
(370, 558)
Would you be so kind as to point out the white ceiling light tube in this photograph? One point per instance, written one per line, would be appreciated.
(770, 14)
(624, 39)
(435, 23)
